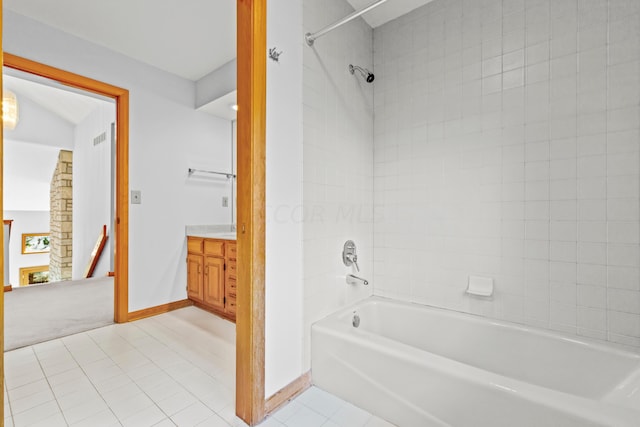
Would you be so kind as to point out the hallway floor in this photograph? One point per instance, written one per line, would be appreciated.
(38, 313)
(174, 369)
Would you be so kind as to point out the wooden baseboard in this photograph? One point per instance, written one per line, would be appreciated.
(160, 309)
(8, 288)
(287, 393)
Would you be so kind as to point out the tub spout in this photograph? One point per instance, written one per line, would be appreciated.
(355, 280)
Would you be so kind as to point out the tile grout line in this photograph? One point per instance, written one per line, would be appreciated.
(159, 324)
(87, 376)
(160, 334)
(161, 369)
(6, 392)
(46, 378)
(23, 385)
(126, 373)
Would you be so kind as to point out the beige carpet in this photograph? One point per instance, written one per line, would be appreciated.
(40, 313)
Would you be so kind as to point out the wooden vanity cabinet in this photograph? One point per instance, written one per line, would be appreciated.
(210, 283)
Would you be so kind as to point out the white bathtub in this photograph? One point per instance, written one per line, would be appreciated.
(418, 366)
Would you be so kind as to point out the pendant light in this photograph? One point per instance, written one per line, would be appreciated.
(9, 110)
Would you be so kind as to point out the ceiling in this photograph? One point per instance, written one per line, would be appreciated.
(189, 38)
(71, 106)
(386, 12)
(221, 107)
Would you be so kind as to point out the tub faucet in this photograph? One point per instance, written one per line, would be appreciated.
(355, 280)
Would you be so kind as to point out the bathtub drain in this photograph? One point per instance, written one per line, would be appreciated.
(356, 320)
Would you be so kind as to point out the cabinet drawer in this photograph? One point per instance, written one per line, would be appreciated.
(230, 289)
(194, 245)
(230, 293)
(231, 250)
(231, 305)
(214, 247)
(232, 271)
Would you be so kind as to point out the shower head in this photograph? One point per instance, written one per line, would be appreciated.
(366, 74)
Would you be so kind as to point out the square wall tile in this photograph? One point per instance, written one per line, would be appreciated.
(524, 159)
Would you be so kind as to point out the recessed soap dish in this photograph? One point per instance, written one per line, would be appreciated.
(480, 286)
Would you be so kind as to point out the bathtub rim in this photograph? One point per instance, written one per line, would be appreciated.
(594, 343)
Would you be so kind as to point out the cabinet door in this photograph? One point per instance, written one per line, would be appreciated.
(194, 276)
(214, 282)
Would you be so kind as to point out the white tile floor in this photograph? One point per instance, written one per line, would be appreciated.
(315, 408)
(176, 369)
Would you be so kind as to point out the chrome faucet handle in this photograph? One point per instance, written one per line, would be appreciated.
(354, 260)
(349, 254)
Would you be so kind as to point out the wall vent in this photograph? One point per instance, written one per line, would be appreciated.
(100, 138)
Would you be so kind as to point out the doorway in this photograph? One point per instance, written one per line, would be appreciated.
(57, 194)
(121, 98)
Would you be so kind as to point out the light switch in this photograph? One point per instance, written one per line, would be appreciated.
(225, 202)
(136, 197)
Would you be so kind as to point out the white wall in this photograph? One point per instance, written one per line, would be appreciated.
(166, 138)
(25, 222)
(506, 145)
(283, 328)
(38, 125)
(338, 161)
(92, 189)
(28, 169)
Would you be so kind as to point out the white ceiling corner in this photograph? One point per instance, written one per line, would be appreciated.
(221, 107)
(386, 12)
(71, 106)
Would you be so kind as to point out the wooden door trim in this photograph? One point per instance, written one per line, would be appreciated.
(2, 248)
(250, 316)
(121, 98)
(288, 392)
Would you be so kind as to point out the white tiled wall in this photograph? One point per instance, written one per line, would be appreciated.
(338, 161)
(507, 139)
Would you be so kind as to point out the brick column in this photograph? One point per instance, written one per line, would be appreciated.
(61, 220)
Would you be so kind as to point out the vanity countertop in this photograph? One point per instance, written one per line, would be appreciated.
(222, 231)
(214, 235)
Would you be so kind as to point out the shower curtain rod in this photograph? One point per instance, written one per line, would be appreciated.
(310, 38)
